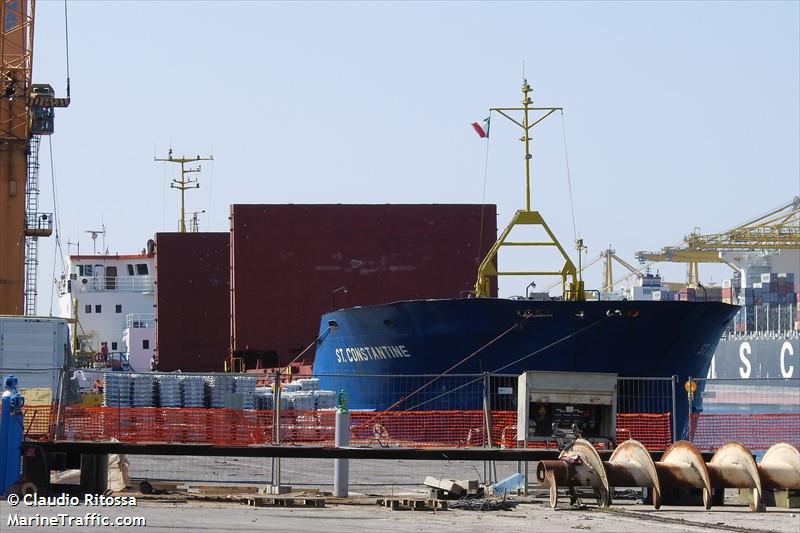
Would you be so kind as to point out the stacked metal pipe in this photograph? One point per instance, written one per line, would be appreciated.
(682, 465)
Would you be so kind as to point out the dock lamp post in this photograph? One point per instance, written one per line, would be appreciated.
(700, 285)
(529, 289)
(333, 296)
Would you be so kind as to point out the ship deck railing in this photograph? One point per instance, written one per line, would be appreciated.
(86, 284)
(765, 335)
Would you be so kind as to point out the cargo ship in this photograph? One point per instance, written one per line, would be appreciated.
(576, 331)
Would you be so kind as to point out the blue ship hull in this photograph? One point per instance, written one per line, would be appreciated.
(629, 338)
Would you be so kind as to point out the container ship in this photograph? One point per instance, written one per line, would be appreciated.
(762, 341)
(755, 368)
(576, 331)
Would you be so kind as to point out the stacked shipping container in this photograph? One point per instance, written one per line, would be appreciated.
(700, 294)
(768, 305)
(771, 303)
(775, 288)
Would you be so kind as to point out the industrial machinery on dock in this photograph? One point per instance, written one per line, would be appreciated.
(681, 466)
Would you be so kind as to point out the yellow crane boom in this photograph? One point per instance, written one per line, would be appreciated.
(26, 112)
(778, 229)
(16, 58)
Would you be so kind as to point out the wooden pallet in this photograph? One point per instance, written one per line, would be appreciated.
(276, 501)
(219, 489)
(412, 504)
(440, 494)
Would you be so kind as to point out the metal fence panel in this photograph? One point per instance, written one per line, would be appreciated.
(424, 410)
(756, 412)
(366, 476)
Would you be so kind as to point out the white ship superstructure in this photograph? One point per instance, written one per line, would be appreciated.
(644, 288)
(112, 298)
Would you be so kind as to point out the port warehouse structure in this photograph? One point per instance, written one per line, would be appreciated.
(287, 264)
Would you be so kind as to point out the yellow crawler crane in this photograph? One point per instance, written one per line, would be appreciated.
(26, 113)
(779, 229)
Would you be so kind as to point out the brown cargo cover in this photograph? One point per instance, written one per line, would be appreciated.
(287, 262)
(192, 301)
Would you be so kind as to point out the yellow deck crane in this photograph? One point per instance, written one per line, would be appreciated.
(26, 113)
(778, 229)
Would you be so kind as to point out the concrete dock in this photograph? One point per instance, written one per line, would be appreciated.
(169, 515)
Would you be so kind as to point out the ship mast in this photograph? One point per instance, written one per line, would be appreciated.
(571, 286)
(526, 138)
(184, 183)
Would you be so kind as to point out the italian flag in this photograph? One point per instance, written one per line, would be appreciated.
(482, 127)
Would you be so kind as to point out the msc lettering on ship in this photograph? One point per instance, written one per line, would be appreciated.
(370, 353)
(784, 363)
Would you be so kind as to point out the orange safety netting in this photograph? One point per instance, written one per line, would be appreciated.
(653, 430)
(169, 424)
(756, 432)
(387, 428)
(419, 428)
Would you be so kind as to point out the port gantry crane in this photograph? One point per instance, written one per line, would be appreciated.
(26, 113)
(779, 229)
(608, 256)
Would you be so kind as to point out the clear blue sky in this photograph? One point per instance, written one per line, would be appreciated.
(677, 114)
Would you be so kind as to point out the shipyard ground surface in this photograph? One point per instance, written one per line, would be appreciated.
(174, 514)
(211, 494)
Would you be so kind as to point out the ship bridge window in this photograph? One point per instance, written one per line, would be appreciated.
(141, 269)
(85, 270)
(111, 278)
(130, 270)
(87, 309)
